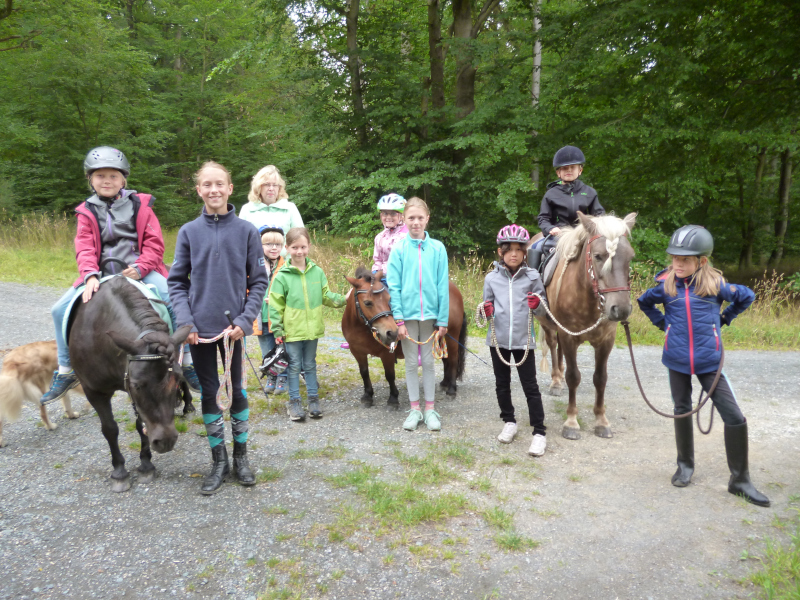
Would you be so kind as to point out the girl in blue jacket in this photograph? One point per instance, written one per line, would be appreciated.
(419, 283)
(692, 292)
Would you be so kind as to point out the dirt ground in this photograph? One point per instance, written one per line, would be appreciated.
(595, 518)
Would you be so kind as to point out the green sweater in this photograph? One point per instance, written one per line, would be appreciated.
(295, 302)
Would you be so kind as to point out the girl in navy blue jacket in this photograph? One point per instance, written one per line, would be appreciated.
(692, 292)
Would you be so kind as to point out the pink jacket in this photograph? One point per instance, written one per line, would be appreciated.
(384, 242)
(150, 241)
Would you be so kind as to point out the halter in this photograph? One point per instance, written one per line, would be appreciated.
(140, 357)
(598, 291)
(380, 315)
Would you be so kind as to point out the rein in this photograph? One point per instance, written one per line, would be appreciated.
(439, 349)
(700, 400)
(481, 320)
(227, 384)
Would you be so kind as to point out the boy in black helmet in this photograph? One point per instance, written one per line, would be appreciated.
(567, 195)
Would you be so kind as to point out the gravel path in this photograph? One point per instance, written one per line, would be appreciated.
(607, 521)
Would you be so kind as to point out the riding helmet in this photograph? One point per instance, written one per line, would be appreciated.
(568, 155)
(691, 240)
(392, 202)
(270, 227)
(106, 157)
(513, 234)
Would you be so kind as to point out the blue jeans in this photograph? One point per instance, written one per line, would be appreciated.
(266, 342)
(302, 356)
(60, 307)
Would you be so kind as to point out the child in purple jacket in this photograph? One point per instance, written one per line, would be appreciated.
(391, 207)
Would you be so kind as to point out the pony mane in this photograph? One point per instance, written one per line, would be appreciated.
(612, 228)
(364, 273)
(138, 307)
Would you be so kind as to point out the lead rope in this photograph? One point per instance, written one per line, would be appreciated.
(481, 321)
(439, 349)
(227, 345)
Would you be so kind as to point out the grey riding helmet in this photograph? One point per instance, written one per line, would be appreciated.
(106, 157)
(568, 155)
(691, 240)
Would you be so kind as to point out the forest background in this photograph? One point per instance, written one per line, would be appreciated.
(687, 110)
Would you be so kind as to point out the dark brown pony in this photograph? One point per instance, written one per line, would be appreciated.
(590, 281)
(117, 341)
(368, 311)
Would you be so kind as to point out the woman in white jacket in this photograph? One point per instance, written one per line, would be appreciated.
(268, 202)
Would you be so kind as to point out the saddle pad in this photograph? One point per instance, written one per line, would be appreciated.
(149, 292)
(550, 268)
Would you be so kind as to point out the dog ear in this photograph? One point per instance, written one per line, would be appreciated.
(587, 223)
(180, 336)
(126, 344)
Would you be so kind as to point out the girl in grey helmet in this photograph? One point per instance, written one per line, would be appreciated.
(112, 223)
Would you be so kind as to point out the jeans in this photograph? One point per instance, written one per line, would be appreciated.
(60, 307)
(527, 377)
(723, 397)
(302, 357)
(420, 331)
(266, 342)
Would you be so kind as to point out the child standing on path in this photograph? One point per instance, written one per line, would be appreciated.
(297, 293)
(218, 257)
(692, 292)
(391, 207)
(272, 243)
(508, 297)
(419, 283)
(113, 223)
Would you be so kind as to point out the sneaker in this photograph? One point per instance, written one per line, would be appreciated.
(270, 387)
(433, 420)
(282, 384)
(507, 435)
(313, 407)
(62, 383)
(295, 410)
(190, 375)
(538, 445)
(412, 420)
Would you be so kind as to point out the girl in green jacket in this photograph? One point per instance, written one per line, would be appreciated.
(297, 293)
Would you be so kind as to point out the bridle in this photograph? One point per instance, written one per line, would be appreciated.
(140, 357)
(380, 315)
(599, 292)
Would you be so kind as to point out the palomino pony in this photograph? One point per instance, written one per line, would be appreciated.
(367, 312)
(588, 295)
(118, 342)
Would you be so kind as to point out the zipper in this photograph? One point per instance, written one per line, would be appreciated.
(716, 336)
(216, 233)
(511, 307)
(666, 338)
(691, 333)
(421, 312)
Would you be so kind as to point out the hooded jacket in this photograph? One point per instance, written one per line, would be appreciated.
(295, 302)
(509, 294)
(419, 281)
(282, 213)
(691, 323)
(217, 259)
(149, 240)
(384, 242)
(562, 201)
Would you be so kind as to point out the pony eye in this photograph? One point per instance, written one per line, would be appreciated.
(367, 303)
(598, 257)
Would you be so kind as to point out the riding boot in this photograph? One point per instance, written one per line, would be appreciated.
(241, 466)
(737, 450)
(684, 440)
(219, 470)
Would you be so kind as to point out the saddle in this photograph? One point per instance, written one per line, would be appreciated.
(544, 259)
(149, 292)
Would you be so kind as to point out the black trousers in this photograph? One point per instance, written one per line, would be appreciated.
(527, 377)
(723, 398)
(205, 364)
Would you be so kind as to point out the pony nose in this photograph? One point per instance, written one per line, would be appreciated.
(162, 441)
(618, 313)
(391, 335)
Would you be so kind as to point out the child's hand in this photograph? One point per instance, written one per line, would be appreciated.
(279, 340)
(131, 273)
(238, 332)
(555, 231)
(442, 332)
(193, 339)
(402, 332)
(533, 301)
(92, 285)
(488, 309)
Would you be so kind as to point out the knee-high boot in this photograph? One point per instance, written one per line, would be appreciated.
(736, 448)
(241, 465)
(219, 470)
(684, 440)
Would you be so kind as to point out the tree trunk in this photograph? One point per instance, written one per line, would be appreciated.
(5, 11)
(749, 227)
(353, 67)
(782, 220)
(465, 72)
(436, 52)
(536, 79)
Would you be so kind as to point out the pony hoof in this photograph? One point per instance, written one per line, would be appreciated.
(393, 405)
(571, 433)
(189, 409)
(603, 431)
(120, 485)
(451, 391)
(147, 476)
(367, 402)
(555, 391)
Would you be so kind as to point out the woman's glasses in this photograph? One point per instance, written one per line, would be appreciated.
(271, 186)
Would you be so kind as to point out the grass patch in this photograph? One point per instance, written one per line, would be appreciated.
(497, 517)
(513, 541)
(129, 427)
(181, 425)
(268, 475)
(331, 452)
(276, 510)
(779, 577)
(136, 445)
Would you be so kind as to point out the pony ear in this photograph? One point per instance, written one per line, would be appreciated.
(180, 336)
(128, 345)
(587, 223)
(630, 220)
(353, 281)
(378, 275)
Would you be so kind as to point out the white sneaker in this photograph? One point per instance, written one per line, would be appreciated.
(538, 445)
(507, 435)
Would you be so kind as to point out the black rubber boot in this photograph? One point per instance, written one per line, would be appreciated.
(736, 449)
(241, 466)
(219, 470)
(684, 440)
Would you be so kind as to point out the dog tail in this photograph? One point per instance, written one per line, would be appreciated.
(12, 393)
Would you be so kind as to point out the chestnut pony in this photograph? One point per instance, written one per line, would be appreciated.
(588, 295)
(368, 311)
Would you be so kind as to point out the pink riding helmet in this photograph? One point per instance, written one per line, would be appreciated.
(513, 234)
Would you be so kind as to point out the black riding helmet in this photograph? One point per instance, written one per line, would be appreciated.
(568, 155)
(106, 157)
(691, 240)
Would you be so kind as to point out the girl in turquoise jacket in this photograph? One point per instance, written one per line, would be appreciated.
(419, 285)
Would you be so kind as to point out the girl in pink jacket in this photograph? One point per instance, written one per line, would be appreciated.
(391, 207)
(114, 223)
